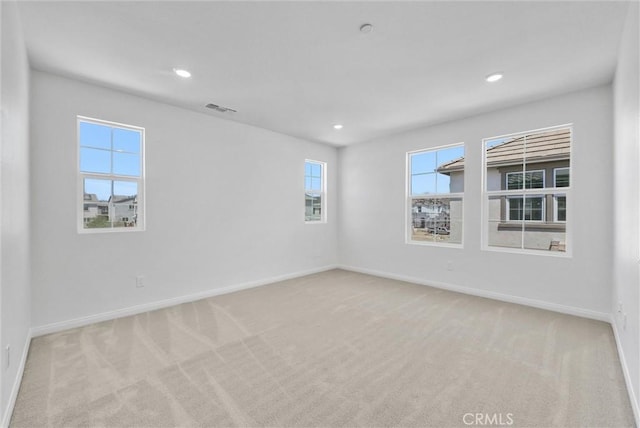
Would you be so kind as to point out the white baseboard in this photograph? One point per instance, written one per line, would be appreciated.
(570, 310)
(625, 371)
(138, 309)
(8, 412)
(78, 322)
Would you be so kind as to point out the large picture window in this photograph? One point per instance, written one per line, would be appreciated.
(527, 187)
(435, 195)
(314, 191)
(111, 176)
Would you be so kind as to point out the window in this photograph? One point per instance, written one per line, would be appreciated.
(529, 209)
(560, 179)
(531, 179)
(560, 208)
(314, 191)
(522, 211)
(111, 176)
(435, 195)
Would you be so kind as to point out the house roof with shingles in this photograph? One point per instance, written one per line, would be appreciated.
(540, 147)
(122, 198)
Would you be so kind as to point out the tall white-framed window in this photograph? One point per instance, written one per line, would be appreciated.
(110, 176)
(435, 195)
(522, 212)
(315, 185)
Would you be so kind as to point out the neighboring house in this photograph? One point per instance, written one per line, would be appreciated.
(429, 212)
(118, 210)
(313, 206)
(94, 207)
(123, 209)
(543, 215)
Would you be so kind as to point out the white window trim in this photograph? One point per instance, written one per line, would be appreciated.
(487, 194)
(519, 195)
(323, 194)
(141, 224)
(409, 198)
(524, 173)
(555, 208)
(555, 196)
(555, 173)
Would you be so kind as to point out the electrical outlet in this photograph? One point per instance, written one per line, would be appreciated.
(8, 356)
(449, 265)
(139, 281)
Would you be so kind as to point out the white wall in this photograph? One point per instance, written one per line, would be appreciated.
(241, 188)
(626, 236)
(372, 208)
(15, 315)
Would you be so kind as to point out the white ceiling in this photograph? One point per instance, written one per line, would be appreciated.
(300, 67)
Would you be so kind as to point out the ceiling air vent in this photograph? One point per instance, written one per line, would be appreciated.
(220, 108)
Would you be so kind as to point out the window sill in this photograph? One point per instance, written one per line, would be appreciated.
(435, 244)
(529, 252)
(110, 230)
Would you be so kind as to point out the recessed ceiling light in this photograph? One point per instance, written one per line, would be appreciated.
(366, 28)
(494, 77)
(182, 72)
(337, 126)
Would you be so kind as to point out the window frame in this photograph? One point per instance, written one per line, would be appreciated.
(543, 192)
(139, 180)
(323, 192)
(556, 208)
(524, 197)
(410, 197)
(555, 176)
(524, 178)
(558, 195)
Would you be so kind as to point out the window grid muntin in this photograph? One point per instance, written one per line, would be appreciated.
(524, 208)
(113, 177)
(523, 179)
(556, 198)
(545, 192)
(311, 192)
(411, 197)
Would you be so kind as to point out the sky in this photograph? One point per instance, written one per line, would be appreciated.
(493, 143)
(312, 177)
(424, 178)
(110, 150)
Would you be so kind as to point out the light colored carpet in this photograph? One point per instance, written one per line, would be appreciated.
(331, 349)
